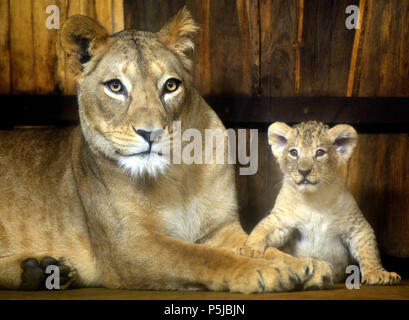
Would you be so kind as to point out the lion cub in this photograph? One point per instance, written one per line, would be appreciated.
(315, 215)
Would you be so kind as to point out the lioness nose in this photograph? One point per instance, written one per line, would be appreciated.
(149, 136)
(304, 172)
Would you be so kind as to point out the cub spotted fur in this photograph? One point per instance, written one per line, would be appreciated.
(103, 203)
(315, 215)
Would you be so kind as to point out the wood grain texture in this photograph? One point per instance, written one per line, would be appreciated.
(44, 48)
(378, 177)
(280, 47)
(292, 47)
(273, 48)
(383, 61)
(326, 48)
(5, 74)
(339, 292)
(23, 78)
(31, 59)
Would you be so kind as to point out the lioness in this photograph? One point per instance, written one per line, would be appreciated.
(315, 215)
(102, 203)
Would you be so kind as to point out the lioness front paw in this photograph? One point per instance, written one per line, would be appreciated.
(380, 277)
(322, 278)
(34, 274)
(261, 275)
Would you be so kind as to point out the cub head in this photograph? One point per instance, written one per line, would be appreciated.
(310, 154)
(131, 86)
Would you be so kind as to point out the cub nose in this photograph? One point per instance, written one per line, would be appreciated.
(304, 172)
(148, 136)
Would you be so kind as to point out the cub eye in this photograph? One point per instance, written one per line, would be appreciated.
(293, 153)
(320, 153)
(172, 85)
(115, 86)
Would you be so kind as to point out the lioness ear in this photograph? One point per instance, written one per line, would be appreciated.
(278, 134)
(344, 138)
(80, 38)
(180, 32)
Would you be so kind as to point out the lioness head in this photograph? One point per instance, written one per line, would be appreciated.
(310, 154)
(131, 86)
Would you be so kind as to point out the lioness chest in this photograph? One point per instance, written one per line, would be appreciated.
(187, 221)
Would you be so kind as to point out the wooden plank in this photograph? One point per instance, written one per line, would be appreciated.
(232, 61)
(279, 29)
(377, 175)
(326, 48)
(150, 15)
(253, 309)
(356, 49)
(117, 15)
(21, 47)
(382, 60)
(103, 10)
(44, 48)
(5, 80)
(201, 57)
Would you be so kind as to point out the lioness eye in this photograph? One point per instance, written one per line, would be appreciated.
(114, 85)
(320, 153)
(294, 153)
(172, 85)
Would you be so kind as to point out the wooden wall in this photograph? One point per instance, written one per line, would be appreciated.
(292, 47)
(257, 48)
(277, 48)
(31, 60)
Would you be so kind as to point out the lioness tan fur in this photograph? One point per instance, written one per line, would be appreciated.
(106, 201)
(315, 215)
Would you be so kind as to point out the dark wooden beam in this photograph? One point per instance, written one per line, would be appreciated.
(386, 114)
(368, 114)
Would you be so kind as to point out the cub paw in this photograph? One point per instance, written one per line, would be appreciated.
(380, 277)
(322, 278)
(34, 274)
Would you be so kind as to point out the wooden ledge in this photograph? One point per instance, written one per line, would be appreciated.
(400, 292)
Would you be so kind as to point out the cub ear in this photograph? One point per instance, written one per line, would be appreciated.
(278, 134)
(179, 33)
(80, 38)
(344, 139)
